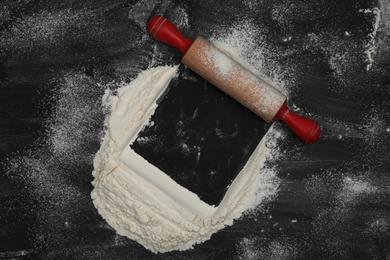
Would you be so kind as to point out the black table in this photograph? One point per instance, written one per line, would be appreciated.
(57, 59)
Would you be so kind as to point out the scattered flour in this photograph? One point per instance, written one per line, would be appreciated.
(371, 45)
(380, 31)
(354, 187)
(145, 204)
(221, 61)
(275, 250)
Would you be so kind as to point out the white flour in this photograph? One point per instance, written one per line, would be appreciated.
(143, 203)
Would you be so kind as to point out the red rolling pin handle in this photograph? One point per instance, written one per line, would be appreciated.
(164, 30)
(306, 129)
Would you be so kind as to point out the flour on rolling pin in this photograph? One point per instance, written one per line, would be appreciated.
(235, 80)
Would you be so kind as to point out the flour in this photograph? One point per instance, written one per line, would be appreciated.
(143, 203)
(371, 45)
(254, 248)
(221, 61)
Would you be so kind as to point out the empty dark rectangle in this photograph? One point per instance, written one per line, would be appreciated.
(200, 136)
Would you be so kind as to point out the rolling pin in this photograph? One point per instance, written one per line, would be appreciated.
(232, 78)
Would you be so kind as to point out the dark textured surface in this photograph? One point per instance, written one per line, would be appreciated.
(193, 127)
(58, 57)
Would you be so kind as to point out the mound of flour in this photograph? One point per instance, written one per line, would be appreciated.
(143, 203)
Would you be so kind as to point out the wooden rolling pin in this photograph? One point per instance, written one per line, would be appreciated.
(232, 78)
